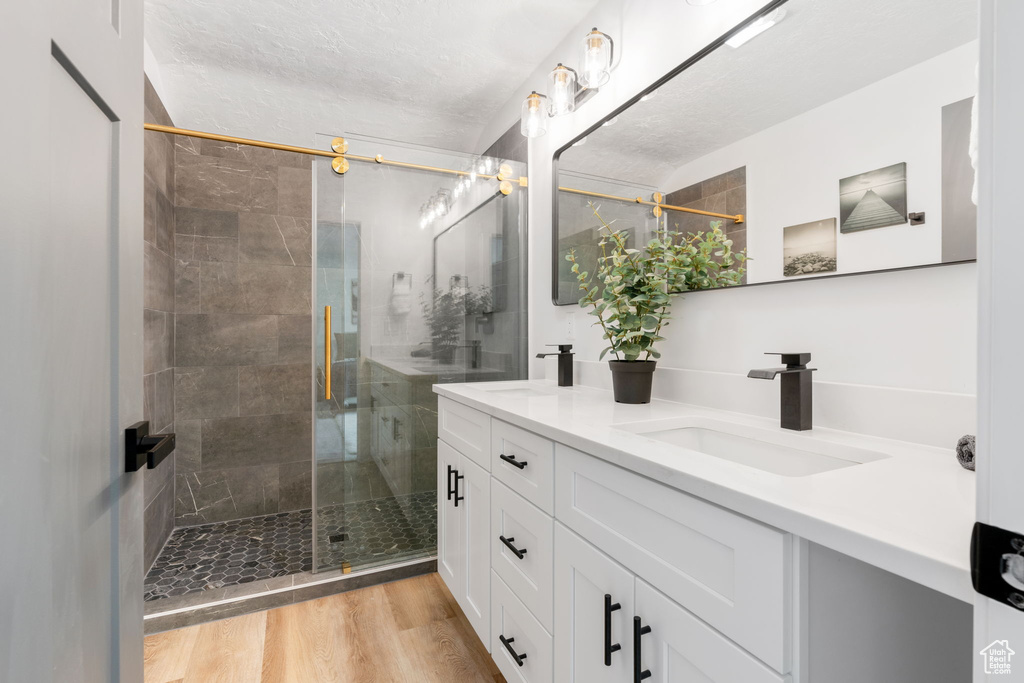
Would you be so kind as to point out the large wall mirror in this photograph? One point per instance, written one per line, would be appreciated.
(835, 141)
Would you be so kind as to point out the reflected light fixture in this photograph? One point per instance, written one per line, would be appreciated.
(649, 96)
(581, 141)
(563, 90)
(611, 121)
(596, 59)
(533, 120)
(757, 28)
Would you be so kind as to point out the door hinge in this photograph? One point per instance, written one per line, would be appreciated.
(997, 564)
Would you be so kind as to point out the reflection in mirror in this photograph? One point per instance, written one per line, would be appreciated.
(827, 144)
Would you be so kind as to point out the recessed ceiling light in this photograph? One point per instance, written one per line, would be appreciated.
(611, 121)
(757, 28)
(649, 96)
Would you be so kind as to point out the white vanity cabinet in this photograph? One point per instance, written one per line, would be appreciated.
(575, 562)
(463, 527)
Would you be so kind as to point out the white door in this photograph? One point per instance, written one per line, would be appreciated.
(680, 648)
(71, 235)
(593, 613)
(451, 547)
(1000, 466)
(475, 507)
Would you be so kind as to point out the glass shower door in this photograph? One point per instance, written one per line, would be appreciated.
(419, 281)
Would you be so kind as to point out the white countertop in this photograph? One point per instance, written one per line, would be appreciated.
(910, 513)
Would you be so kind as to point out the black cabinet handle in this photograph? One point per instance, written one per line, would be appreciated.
(511, 460)
(458, 478)
(508, 543)
(639, 673)
(450, 491)
(609, 648)
(507, 642)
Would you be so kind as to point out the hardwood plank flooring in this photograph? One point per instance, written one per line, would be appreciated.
(407, 631)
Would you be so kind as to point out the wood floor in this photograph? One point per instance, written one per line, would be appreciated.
(411, 630)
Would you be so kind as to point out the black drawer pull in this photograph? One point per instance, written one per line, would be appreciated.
(458, 478)
(508, 543)
(511, 460)
(609, 647)
(507, 642)
(639, 673)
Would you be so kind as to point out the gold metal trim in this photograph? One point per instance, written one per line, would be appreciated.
(738, 218)
(504, 171)
(656, 198)
(656, 211)
(339, 145)
(379, 159)
(339, 165)
(327, 353)
(505, 187)
(523, 181)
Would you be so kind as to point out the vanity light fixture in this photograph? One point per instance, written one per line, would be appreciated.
(533, 121)
(563, 90)
(757, 28)
(596, 59)
(568, 88)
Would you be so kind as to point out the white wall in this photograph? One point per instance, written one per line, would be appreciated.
(793, 168)
(896, 351)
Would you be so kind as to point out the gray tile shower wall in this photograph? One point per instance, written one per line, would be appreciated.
(158, 322)
(725, 193)
(242, 330)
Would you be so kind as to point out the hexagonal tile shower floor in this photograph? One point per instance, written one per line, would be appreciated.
(370, 532)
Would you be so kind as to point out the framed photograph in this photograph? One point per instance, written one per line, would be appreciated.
(875, 199)
(809, 248)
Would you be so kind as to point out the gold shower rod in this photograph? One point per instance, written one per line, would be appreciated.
(340, 146)
(656, 203)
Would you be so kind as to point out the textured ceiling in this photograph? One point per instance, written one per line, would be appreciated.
(822, 50)
(427, 71)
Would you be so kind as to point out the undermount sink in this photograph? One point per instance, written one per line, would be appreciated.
(516, 391)
(786, 454)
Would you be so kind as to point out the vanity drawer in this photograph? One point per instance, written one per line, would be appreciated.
(465, 429)
(729, 570)
(513, 624)
(525, 462)
(530, 531)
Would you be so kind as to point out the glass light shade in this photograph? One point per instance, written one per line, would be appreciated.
(596, 59)
(534, 120)
(563, 90)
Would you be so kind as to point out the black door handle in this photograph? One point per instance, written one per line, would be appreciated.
(511, 460)
(458, 477)
(450, 491)
(639, 673)
(508, 543)
(507, 642)
(609, 648)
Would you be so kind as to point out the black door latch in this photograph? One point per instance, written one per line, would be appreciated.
(997, 564)
(141, 449)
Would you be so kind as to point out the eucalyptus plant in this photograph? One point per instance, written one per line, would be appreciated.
(630, 294)
(445, 314)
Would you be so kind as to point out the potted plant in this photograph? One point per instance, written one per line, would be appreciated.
(445, 316)
(630, 294)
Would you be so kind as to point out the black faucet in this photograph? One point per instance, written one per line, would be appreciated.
(564, 363)
(796, 388)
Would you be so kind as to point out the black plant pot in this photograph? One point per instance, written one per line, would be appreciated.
(631, 380)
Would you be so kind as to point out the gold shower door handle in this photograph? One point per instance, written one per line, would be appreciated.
(327, 353)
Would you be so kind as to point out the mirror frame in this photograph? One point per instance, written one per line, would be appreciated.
(697, 57)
